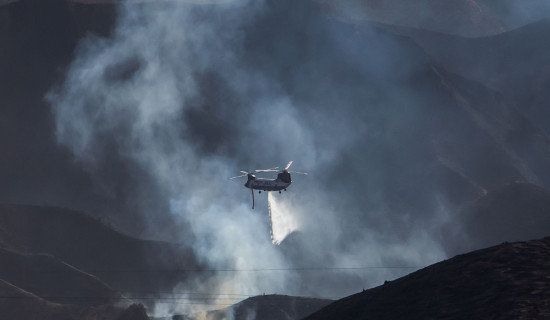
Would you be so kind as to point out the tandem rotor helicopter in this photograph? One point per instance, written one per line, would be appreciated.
(263, 184)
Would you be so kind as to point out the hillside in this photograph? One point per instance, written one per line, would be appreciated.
(55, 281)
(458, 137)
(16, 303)
(469, 18)
(44, 285)
(19, 304)
(514, 212)
(126, 264)
(514, 63)
(472, 18)
(508, 281)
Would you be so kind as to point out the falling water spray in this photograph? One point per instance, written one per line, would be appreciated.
(281, 220)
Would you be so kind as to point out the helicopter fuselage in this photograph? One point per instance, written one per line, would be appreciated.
(263, 184)
(282, 182)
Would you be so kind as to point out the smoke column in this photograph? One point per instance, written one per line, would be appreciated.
(183, 96)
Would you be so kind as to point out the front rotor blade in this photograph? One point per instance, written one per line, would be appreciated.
(274, 169)
(288, 165)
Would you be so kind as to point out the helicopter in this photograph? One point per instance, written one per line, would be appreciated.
(282, 181)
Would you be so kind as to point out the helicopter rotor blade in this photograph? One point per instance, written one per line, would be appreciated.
(288, 164)
(274, 169)
(298, 172)
(243, 175)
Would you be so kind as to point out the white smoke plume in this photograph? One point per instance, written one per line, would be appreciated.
(171, 96)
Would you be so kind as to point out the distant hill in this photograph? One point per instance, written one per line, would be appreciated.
(462, 17)
(470, 18)
(515, 63)
(270, 307)
(16, 303)
(508, 281)
(37, 243)
(63, 264)
(126, 264)
(54, 280)
(514, 212)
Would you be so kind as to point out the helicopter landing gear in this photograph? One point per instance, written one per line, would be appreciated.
(279, 191)
(260, 191)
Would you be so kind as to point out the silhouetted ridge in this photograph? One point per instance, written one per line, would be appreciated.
(508, 281)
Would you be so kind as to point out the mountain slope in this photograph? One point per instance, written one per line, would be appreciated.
(54, 280)
(514, 212)
(456, 131)
(514, 63)
(471, 18)
(125, 263)
(508, 281)
(16, 303)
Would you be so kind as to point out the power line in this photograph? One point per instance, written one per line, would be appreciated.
(167, 301)
(180, 270)
(183, 301)
(193, 293)
(155, 299)
(190, 295)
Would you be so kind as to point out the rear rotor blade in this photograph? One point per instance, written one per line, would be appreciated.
(288, 165)
(298, 172)
(243, 175)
